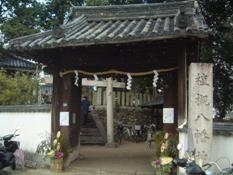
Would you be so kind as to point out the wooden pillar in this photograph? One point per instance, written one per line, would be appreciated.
(67, 107)
(182, 85)
(170, 101)
(56, 100)
(109, 95)
(122, 98)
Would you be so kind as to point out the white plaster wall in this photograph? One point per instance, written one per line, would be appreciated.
(183, 140)
(221, 150)
(222, 147)
(34, 127)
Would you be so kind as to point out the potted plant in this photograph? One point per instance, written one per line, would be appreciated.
(56, 154)
(165, 152)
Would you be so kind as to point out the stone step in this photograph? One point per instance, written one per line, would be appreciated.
(89, 129)
(91, 140)
(90, 126)
(90, 134)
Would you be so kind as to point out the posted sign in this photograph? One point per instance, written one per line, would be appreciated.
(168, 115)
(64, 118)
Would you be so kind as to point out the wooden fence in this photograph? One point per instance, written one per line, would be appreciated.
(121, 97)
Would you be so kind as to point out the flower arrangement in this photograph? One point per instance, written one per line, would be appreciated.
(55, 151)
(164, 153)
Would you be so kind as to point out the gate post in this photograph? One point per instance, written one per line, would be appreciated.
(66, 111)
(200, 121)
(109, 95)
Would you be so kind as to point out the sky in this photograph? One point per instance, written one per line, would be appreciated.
(41, 1)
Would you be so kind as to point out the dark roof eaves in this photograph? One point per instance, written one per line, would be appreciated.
(128, 40)
(33, 36)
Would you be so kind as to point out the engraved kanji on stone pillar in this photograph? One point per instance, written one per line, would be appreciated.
(201, 107)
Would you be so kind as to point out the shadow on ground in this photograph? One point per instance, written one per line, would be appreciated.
(4, 173)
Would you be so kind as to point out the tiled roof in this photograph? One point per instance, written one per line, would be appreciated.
(90, 25)
(15, 63)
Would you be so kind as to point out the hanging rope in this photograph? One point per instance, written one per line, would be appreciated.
(117, 72)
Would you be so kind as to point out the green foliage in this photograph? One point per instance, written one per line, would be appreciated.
(142, 84)
(171, 150)
(218, 49)
(158, 138)
(57, 10)
(20, 89)
(169, 144)
(21, 17)
(120, 2)
(44, 147)
(96, 2)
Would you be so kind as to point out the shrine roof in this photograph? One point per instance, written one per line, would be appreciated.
(17, 64)
(92, 25)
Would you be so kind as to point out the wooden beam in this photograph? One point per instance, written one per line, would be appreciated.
(103, 83)
(86, 82)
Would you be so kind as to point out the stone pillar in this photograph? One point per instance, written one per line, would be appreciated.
(109, 95)
(99, 96)
(200, 108)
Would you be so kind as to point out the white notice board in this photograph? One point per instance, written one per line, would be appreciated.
(64, 118)
(168, 115)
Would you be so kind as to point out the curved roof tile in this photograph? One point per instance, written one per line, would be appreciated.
(118, 24)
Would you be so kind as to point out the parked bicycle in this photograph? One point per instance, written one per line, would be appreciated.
(133, 132)
(119, 133)
(213, 168)
(210, 168)
(192, 168)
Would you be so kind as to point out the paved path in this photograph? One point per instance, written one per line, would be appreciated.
(127, 159)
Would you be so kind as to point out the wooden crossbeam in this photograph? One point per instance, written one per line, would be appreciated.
(102, 83)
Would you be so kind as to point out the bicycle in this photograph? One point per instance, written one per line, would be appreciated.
(213, 168)
(119, 133)
(210, 168)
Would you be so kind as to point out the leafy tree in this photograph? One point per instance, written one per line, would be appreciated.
(21, 17)
(18, 89)
(58, 10)
(218, 49)
(96, 2)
